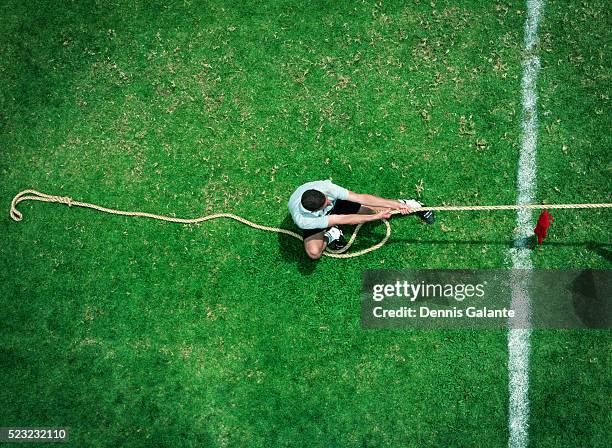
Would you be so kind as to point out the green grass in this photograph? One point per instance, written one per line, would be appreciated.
(141, 333)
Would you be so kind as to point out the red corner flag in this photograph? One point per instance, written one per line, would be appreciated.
(542, 226)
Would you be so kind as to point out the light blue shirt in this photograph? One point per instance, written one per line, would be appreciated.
(306, 219)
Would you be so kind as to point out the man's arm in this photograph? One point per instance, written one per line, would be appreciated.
(334, 220)
(376, 201)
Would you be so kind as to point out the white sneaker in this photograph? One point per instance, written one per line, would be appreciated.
(333, 234)
(412, 203)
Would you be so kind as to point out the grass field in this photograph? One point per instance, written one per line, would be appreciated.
(134, 332)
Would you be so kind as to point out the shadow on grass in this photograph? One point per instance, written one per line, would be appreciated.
(292, 249)
(602, 249)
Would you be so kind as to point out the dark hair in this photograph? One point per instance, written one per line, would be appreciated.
(313, 200)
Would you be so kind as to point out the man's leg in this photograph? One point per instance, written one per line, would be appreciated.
(427, 216)
(370, 210)
(315, 245)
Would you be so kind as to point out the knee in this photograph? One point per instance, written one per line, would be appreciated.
(313, 254)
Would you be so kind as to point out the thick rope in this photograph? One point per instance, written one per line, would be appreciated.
(34, 195)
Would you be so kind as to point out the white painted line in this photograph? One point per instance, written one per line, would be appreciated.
(519, 345)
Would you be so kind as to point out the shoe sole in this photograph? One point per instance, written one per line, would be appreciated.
(338, 244)
(428, 217)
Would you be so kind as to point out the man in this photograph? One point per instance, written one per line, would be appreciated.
(319, 207)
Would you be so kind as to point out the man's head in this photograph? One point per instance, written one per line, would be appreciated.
(313, 200)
